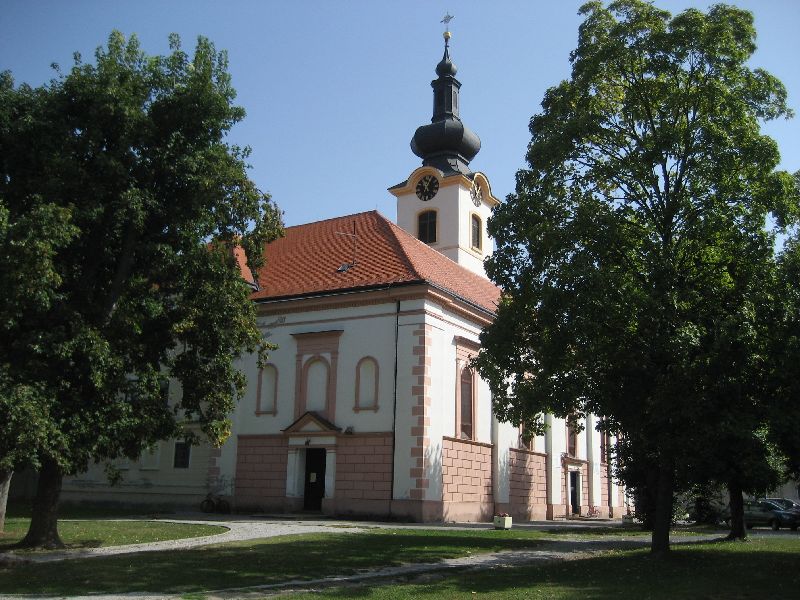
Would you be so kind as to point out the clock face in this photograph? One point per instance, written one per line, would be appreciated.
(475, 194)
(427, 188)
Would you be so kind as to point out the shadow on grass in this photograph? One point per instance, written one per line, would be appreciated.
(632, 530)
(247, 564)
(742, 571)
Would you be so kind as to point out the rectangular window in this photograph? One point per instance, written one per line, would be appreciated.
(183, 452)
(148, 461)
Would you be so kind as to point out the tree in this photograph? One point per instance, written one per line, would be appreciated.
(784, 390)
(785, 344)
(129, 154)
(27, 246)
(633, 236)
(751, 389)
(737, 451)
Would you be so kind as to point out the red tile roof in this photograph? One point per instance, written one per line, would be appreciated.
(305, 261)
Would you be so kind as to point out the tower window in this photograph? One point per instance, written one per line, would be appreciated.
(426, 226)
(476, 232)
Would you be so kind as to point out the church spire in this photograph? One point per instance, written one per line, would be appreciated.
(446, 143)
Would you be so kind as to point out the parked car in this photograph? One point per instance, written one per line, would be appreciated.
(786, 503)
(767, 512)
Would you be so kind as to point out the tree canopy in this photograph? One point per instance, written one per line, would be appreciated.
(630, 253)
(122, 210)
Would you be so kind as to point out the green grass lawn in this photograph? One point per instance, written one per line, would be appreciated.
(96, 533)
(761, 568)
(90, 526)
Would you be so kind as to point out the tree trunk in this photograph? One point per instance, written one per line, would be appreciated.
(659, 544)
(5, 485)
(43, 531)
(738, 526)
(648, 498)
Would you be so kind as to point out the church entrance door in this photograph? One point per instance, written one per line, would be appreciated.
(574, 491)
(314, 479)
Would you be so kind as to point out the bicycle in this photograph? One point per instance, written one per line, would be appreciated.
(215, 504)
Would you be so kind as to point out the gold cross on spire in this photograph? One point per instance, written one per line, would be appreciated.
(447, 18)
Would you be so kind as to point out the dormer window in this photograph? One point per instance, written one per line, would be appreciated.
(426, 226)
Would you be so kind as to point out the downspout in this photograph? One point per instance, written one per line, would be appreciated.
(394, 402)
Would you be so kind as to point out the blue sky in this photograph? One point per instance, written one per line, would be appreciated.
(335, 89)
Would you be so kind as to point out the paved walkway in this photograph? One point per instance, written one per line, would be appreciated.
(253, 528)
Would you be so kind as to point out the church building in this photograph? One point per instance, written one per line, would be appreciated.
(369, 406)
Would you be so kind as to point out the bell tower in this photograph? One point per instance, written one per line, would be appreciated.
(444, 203)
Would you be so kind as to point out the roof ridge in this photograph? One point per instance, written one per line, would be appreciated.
(350, 216)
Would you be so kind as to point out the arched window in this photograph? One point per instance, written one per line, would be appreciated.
(367, 384)
(317, 385)
(267, 391)
(476, 232)
(426, 226)
(467, 417)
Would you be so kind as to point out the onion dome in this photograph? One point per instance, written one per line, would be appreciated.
(446, 143)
